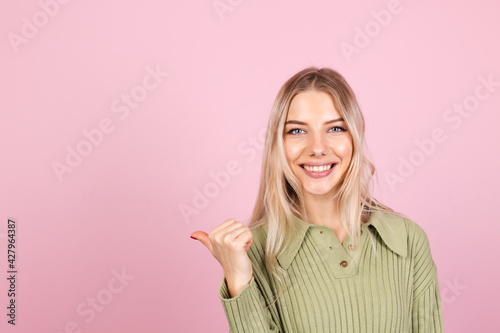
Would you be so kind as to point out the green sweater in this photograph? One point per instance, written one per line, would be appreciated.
(391, 290)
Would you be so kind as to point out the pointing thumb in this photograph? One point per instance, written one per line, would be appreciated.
(203, 238)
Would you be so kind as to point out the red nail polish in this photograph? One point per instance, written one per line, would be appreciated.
(193, 237)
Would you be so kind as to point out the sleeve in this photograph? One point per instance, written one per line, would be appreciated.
(247, 311)
(426, 310)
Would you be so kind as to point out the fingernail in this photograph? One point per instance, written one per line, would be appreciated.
(193, 237)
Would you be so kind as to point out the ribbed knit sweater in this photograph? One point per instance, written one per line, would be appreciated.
(390, 289)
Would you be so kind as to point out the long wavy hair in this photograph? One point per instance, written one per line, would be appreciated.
(280, 194)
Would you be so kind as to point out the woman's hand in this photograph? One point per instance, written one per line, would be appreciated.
(228, 243)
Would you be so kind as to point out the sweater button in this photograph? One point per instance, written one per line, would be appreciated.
(321, 232)
(343, 263)
(352, 247)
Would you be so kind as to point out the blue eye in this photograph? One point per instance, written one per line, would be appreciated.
(292, 131)
(341, 129)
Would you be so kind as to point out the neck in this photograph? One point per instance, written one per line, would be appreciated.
(323, 211)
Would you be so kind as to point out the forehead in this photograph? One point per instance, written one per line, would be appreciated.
(312, 105)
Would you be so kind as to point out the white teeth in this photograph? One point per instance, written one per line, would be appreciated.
(317, 168)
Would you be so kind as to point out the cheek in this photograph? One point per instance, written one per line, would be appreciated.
(343, 149)
(292, 152)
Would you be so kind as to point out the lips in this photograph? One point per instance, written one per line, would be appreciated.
(312, 165)
(318, 174)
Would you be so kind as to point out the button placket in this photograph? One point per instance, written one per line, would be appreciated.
(339, 258)
(326, 239)
(350, 247)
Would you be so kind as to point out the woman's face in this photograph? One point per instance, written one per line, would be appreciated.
(315, 136)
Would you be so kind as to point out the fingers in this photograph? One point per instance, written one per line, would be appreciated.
(201, 234)
(223, 225)
(241, 237)
(198, 234)
(236, 233)
(203, 238)
(247, 246)
(218, 234)
(246, 237)
(230, 232)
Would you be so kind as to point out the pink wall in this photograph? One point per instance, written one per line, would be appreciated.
(102, 243)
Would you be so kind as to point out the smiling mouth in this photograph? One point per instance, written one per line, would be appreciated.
(322, 169)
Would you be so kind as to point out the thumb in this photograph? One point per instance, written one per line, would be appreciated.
(203, 238)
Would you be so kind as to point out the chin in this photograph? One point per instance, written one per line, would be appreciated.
(319, 190)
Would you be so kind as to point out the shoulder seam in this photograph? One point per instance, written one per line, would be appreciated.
(431, 282)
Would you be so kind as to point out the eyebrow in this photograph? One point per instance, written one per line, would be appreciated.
(298, 122)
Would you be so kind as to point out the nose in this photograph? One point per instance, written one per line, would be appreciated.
(318, 145)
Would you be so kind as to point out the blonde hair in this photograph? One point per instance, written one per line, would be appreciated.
(280, 194)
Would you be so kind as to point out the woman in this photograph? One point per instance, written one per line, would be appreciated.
(320, 254)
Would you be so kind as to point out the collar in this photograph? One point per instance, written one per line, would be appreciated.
(389, 226)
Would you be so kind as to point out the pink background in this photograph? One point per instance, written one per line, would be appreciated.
(119, 210)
